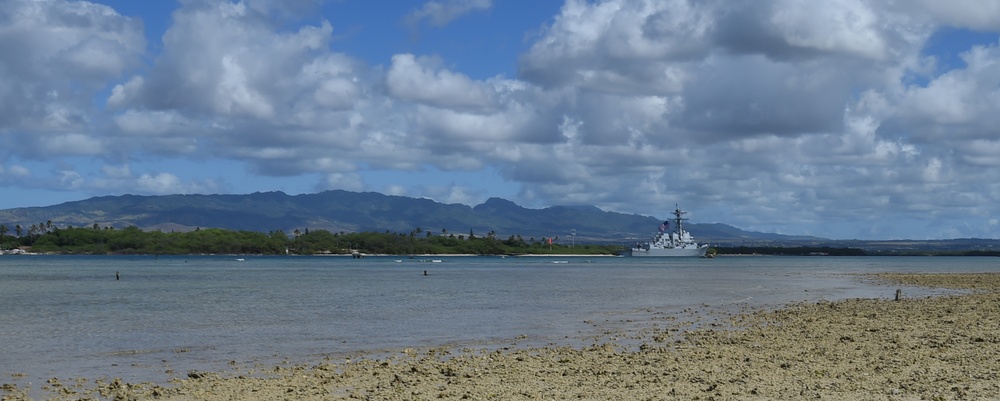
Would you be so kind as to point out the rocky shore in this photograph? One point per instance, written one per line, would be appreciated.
(936, 348)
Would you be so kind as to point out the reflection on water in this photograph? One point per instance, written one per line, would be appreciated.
(68, 316)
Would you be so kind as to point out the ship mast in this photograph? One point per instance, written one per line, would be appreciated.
(678, 219)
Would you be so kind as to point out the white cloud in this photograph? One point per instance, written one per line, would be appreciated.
(419, 80)
(932, 172)
(981, 153)
(441, 12)
(450, 193)
(151, 123)
(73, 145)
(458, 194)
(166, 183)
(848, 26)
(162, 183)
(961, 103)
(57, 55)
(76, 40)
(772, 114)
(116, 172)
(784, 81)
(120, 179)
(71, 179)
(15, 171)
(123, 94)
(337, 93)
(223, 59)
(974, 14)
(616, 46)
(344, 181)
(395, 190)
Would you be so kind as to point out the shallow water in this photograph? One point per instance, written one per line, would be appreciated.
(68, 316)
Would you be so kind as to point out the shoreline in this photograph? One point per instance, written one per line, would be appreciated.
(942, 347)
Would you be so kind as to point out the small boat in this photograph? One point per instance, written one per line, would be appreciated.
(670, 243)
(560, 261)
(240, 260)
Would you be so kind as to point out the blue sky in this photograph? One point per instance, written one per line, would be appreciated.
(844, 119)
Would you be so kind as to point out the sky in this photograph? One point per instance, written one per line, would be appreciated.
(843, 119)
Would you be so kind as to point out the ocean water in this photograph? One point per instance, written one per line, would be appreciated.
(69, 317)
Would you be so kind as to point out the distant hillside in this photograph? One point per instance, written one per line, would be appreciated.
(343, 211)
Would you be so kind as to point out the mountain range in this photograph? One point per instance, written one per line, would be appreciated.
(345, 211)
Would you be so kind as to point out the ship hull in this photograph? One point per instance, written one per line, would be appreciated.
(676, 243)
(671, 252)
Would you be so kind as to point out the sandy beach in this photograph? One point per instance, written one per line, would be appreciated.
(938, 348)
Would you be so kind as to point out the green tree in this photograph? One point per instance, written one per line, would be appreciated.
(219, 241)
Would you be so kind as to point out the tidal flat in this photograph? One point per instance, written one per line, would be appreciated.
(932, 348)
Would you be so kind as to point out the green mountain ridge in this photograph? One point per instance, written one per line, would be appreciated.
(345, 211)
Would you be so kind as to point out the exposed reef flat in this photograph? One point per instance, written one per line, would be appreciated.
(934, 348)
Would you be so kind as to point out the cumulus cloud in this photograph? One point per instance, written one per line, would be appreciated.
(421, 81)
(72, 144)
(619, 46)
(14, 172)
(959, 103)
(771, 115)
(121, 179)
(441, 12)
(224, 59)
(57, 57)
(847, 26)
(974, 14)
(461, 195)
(765, 79)
(238, 88)
(122, 171)
(162, 183)
(345, 181)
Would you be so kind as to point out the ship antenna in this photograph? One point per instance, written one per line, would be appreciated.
(677, 217)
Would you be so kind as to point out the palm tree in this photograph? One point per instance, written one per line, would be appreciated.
(18, 230)
(3, 231)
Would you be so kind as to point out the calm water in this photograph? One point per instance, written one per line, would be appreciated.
(67, 316)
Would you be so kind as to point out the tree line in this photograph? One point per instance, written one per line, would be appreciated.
(132, 240)
(790, 251)
(835, 251)
(47, 238)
